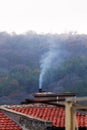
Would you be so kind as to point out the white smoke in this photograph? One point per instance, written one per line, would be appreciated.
(55, 55)
(48, 61)
(45, 65)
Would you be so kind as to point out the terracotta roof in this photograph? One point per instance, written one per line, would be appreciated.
(56, 115)
(7, 124)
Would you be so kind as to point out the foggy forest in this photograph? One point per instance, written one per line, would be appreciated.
(53, 62)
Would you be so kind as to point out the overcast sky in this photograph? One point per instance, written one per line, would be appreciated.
(43, 16)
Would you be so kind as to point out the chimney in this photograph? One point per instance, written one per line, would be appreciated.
(40, 90)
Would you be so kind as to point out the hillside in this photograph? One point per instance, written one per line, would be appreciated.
(23, 58)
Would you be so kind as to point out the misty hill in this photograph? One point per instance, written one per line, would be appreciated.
(61, 60)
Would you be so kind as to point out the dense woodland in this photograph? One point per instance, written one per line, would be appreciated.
(21, 57)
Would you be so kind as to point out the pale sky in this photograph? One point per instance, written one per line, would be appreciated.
(43, 16)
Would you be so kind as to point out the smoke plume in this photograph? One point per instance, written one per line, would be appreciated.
(45, 65)
(50, 59)
(62, 47)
